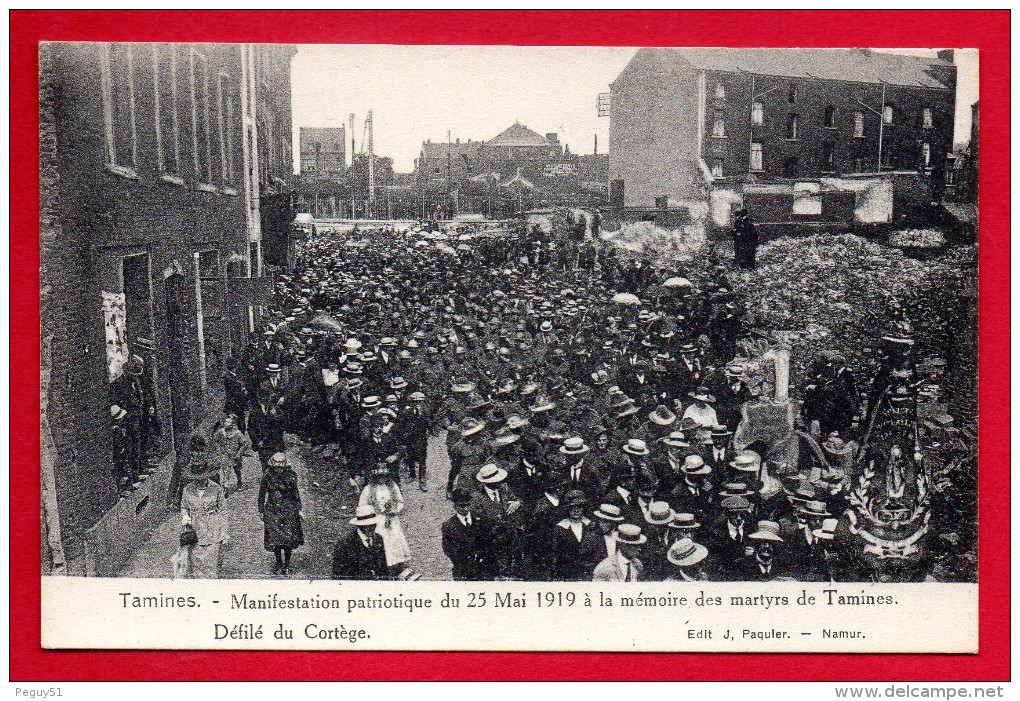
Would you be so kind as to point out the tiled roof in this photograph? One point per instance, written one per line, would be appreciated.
(859, 65)
(518, 135)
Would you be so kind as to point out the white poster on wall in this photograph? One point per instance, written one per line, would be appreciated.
(115, 323)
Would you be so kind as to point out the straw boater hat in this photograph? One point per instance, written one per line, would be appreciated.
(629, 534)
(371, 402)
(470, 426)
(735, 503)
(746, 461)
(574, 446)
(117, 412)
(828, 529)
(629, 409)
(695, 465)
(354, 383)
(720, 431)
(609, 512)
(352, 344)
(662, 416)
(659, 513)
(686, 553)
(702, 395)
(635, 446)
(490, 473)
(685, 522)
(735, 489)
(365, 516)
(767, 530)
(503, 439)
(278, 460)
(462, 386)
(417, 397)
(676, 439)
(814, 508)
(515, 422)
(542, 403)
(398, 383)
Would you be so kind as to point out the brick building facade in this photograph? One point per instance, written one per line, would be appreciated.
(150, 160)
(515, 170)
(687, 122)
(323, 151)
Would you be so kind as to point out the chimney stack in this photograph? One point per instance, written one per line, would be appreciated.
(552, 138)
(947, 55)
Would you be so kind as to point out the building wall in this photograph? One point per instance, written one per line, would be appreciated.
(653, 136)
(323, 150)
(903, 138)
(275, 151)
(96, 215)
(655, 141)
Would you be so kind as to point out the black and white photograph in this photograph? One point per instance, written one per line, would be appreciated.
(508, 313)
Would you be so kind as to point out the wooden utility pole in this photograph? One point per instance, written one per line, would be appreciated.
(351, 179)
(371, 167)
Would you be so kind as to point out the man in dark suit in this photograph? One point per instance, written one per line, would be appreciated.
(576, 544)
(467, 539)
(731, 395)
(719, 453)
(360, 554)
(413, 431)
(526, 476)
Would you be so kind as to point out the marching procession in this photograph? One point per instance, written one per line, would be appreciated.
(596, 413)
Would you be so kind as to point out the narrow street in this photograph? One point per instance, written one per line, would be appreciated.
(329, 502)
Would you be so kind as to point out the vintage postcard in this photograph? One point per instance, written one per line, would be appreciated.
(380, 347)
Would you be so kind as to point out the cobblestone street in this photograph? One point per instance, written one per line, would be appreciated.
(329, 502)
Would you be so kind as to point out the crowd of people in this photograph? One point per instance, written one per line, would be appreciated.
(587, 404)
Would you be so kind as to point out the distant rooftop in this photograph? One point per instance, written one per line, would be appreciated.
(518, 135)
(858, 65)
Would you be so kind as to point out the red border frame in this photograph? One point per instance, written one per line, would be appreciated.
(986, 30)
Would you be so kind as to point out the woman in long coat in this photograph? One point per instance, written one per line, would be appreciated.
(279, 504)
(203, 507)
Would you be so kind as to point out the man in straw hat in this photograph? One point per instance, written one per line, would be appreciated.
(467, 453)
(688, 561)
(360, 553)
(413, 432)
(624, 565)
(763, 563)
(578, 474)
(609, 517)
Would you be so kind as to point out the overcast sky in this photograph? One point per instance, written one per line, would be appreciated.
(420, 92)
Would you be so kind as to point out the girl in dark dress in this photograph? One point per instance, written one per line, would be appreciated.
(279, 505)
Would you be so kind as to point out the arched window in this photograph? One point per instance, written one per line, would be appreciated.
(858, 124)
(720, 91)
(887, 114)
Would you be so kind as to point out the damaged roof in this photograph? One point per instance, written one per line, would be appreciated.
(857, 65)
